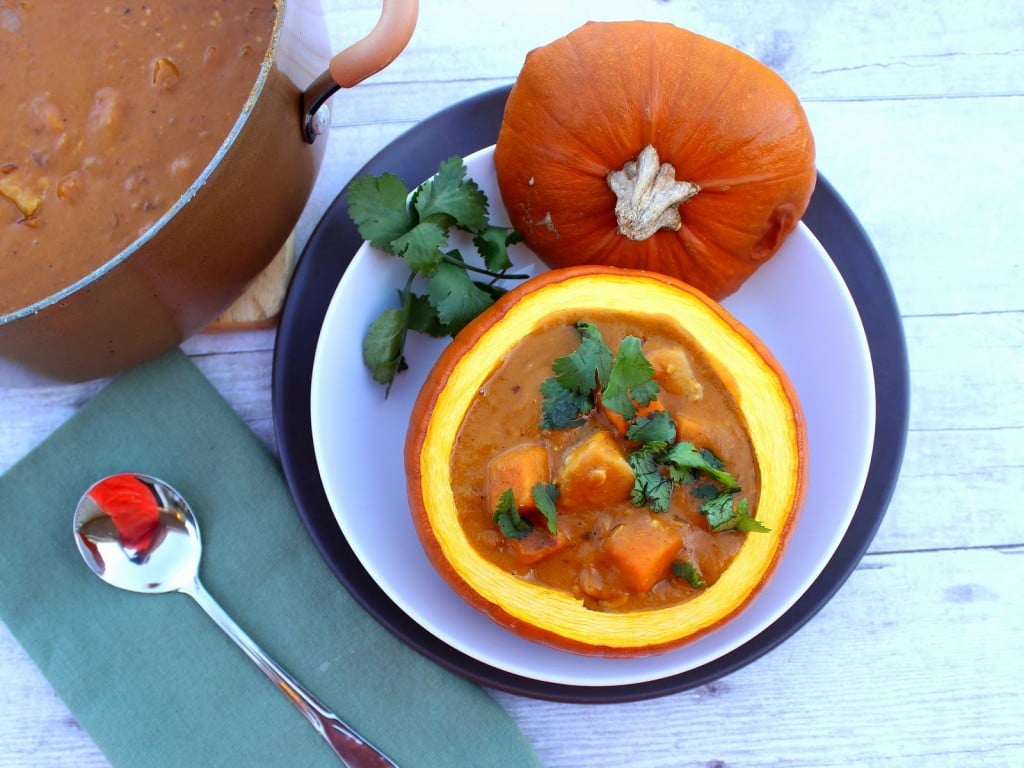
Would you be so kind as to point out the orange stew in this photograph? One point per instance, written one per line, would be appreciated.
(111, 111)
(611, 550)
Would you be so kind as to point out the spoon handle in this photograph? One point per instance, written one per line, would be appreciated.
(354, 751)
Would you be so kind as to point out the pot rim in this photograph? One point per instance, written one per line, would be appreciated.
(184, 199)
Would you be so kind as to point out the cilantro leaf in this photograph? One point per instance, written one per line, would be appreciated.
(687, 571)
(492, 243)
(382, 345)
(423, 317)
(377, 205)
(570, 392)
(711, 460)
(456, 298)
(725, 515)
(684, 455)
(748, 524)
(719, 511)
(631, 380)
(421, 247)
(651, 487)
(544, 496)
(588, 365)
(704, 491)
(561, 407)
(452, 198)
(657, 427)
(684, 476)
(506, 515)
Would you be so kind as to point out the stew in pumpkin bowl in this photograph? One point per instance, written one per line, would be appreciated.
(606, 462)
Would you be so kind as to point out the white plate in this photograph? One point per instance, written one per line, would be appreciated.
(799, 306)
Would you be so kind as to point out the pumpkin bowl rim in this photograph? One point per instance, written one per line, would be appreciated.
(545, 615)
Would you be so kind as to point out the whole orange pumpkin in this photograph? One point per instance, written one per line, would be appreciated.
(640, 144)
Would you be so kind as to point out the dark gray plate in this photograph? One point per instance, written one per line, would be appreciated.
(461, 130)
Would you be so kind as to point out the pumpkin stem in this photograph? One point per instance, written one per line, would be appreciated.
(648, 196)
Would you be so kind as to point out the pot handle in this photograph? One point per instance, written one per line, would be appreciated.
(360, 60)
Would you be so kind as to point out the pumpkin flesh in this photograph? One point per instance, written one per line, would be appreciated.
(587, 104)
(554, 616)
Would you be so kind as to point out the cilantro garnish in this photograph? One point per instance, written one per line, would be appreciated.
(589, 366)
(688, 572)
(685, 456)
(658, 469)
(624, 380)
(455, 297)
(377, 206)
(570, 392)
(657, 427)
(651, 486)
(416, 228)
(562, 407)
(631, 380)
(383, 343)
(450, 198)
(725, 515)
(544, 496)
(506, 515)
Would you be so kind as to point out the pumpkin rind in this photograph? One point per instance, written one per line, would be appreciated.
(550, 616)
(586, 104)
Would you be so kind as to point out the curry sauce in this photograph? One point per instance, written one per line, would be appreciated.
(111, 112)
(609, 549)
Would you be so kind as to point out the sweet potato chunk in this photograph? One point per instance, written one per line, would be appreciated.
(594, 474)
(643, 550)
(538, 544)
(520, 469)
(673, 372)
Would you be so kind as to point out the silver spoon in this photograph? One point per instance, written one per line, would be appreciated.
(137, 533)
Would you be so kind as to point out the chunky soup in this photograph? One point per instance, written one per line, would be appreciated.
(627, 507)
(111, 111)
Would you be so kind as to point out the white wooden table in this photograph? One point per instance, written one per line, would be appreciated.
(917, 110)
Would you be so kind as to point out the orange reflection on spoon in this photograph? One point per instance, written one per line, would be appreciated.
(132, 507)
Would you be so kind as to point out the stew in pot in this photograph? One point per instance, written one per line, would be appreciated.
(111, 111)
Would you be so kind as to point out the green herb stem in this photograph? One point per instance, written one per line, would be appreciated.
(481, 271)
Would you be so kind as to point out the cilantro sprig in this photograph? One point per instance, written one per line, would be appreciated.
(416, 228)
(624, 379)
(660, 466)
(723, 513)
(544, 496)
(630, 381)
(684, 459)
(507, 516)
(512, 524)
(688, 571)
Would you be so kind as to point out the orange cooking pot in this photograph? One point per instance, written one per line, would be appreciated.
(197, 258)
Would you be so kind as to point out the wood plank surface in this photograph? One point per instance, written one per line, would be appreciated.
(916, 109)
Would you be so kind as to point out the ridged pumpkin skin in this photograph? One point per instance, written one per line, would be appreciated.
(556, 618)
(586, 104)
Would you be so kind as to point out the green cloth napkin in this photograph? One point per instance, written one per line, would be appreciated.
(150, 677)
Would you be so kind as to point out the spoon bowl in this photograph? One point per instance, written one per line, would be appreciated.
(169, 563)
(139, 534)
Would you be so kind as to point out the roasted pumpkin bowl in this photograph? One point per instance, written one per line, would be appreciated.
(456, 531)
